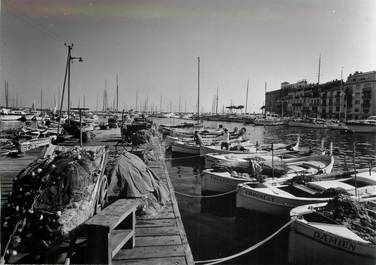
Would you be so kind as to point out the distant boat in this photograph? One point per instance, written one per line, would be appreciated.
(308, 123)
(12, 115)
(363, 126)
(282, 198)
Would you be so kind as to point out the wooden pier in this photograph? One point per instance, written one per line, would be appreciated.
(159, 239)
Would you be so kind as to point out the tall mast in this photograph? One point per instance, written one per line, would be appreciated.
(340, 105)
(266, 84)
(216, 105)
(160, 103)
(246, 98)
(198, 89)
(136, 100)
(41, 99)
(179, 104)
(96, 106)
(6, 94)
(117, 93)
(318, 75)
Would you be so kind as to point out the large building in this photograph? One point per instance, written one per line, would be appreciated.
(353, 99)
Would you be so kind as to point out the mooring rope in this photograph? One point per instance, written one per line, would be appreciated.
(183, 157)
(205, 196)
(220, 260)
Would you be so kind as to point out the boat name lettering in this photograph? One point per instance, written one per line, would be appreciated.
(335, 241)
(259, 195)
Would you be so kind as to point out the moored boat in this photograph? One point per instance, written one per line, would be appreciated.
(319, 238)
(185, 148)
(213, 180)
(363, 126)
(281, 198)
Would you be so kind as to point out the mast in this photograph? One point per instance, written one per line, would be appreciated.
(216, 105)
(246, 97)
(160, 103)
(6, 94)
(266, 84)
(179, 104)
(136, 100)
(340, 104)
(318, 75)
(41, 99)
(198, 90)
(117, 93)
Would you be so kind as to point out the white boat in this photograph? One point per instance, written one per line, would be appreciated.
(225, 181)
(317, 239)
(250, 148)
(185, 148)
(363, 126)
(308, 123)
(280, 199)
(268, 122)
(171, 139)
(214, 159)
(11, 115)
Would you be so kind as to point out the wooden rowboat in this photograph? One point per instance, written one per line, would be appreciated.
(317, 239)
(281, 198)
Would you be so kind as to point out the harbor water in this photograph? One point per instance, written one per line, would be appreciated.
(216, 230)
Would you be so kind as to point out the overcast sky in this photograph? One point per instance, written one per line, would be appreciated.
(153, 46)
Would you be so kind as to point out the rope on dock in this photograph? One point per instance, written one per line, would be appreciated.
(220, 260)
(183, 157)
(205, 196)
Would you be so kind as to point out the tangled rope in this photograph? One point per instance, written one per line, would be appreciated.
(220, 260)
(205, 196)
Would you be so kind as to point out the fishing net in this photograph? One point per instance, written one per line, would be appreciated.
(51, 197)
(131, 178)
(359, 217)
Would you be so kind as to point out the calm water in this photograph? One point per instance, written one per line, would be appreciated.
(213, 227)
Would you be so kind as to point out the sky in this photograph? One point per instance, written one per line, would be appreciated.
(153, 47)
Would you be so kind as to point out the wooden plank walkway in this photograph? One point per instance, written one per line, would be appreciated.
(160, 239)
(10, 167)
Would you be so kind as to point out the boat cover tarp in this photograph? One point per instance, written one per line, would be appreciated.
(131, 178)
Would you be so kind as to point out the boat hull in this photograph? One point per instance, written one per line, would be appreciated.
(311, 245)
(10, 117)
(254, 200)
(362, 128)
(220, 181)
(307, 125)
(180, 147)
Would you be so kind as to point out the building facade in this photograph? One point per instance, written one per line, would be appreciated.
(353, 99)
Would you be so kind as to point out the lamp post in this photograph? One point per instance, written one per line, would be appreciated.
(70, 59)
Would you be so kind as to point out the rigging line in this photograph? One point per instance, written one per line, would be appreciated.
(255, 246)
(22, 17)
(205, 196)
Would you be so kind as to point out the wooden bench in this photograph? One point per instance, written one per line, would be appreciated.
(110, 230)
